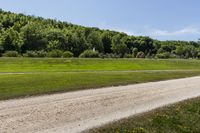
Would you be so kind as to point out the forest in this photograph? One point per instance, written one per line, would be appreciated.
(31, 36)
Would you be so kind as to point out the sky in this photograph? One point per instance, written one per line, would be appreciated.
(159, 19)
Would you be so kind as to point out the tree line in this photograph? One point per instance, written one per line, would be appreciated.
(35, 36)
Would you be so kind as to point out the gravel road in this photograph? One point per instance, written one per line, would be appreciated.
(82, 110)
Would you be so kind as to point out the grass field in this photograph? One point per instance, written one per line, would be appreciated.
(183, 117)
(65, 65)
(21, 77)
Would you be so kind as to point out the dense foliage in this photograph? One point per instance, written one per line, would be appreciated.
(26, 34)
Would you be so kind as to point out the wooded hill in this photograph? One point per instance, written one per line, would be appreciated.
(38, 37)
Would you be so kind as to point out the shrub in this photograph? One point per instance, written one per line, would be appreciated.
(102, 55)
(68, 54)
(35, 54)
(135, 52)
(140, 55)
(55, 53)
(11, 54)
(111, 56)
(89, 54)
(128, 56)
(163, 55)
(1, 50)
(198, 55)
(30, 54)
(41, 53)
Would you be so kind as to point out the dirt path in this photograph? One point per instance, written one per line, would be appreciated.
(78, 111)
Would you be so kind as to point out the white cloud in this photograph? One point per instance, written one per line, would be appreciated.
(125, 31)
(190, 30)
(103, 25)
(186, 33)
(189, 33)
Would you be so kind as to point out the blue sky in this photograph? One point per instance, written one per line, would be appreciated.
(159, 19)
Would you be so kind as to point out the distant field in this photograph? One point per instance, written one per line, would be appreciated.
(21, 77)
(65, 65)
(183, 117)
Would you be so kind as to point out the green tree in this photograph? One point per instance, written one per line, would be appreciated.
(95, 41)
(78, 43)
(23, 33)
(11, 40)
(107, 41)
(34, 37)
(118, 45)
(56, 39)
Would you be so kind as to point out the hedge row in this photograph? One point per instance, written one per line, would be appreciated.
(85, 54)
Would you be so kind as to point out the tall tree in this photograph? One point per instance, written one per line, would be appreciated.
(107, 41)
(11, 40)
(34, 37)
(95, 41)
(118, 45)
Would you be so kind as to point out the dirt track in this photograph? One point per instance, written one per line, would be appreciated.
(78, 111)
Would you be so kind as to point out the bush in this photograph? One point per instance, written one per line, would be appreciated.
(163, 55)
(198, 55)
(128, 56)
(101, 55)
(30, 54)
(112, 56)
(55, 54)
(11, 54)
(89, 54)
(1, 51)
(41, 53)
(35, 54)
(140, 55)
(68, 54)
(135, 52)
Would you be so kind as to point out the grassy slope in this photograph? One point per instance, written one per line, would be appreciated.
(57, 75)
(183, 117)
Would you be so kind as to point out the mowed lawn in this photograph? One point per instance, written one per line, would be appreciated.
(20, 77)
(65, 65)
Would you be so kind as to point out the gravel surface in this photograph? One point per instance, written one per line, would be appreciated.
(82, 110)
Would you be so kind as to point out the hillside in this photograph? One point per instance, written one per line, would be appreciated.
(26, 34)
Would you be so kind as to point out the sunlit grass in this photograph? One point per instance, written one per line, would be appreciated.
(60, 65)
(183, 117)
(34, 76)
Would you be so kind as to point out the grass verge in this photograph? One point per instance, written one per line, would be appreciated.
(183, 117)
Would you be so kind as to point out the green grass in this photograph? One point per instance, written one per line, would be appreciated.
(47, 75)
(63, 65)
(183, 117)
(18, 85)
